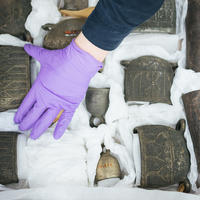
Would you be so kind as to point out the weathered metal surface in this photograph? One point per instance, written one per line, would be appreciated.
(97, 101)
(148, 78)
(165, 159)
(164, 20)
(13, 16)
(75, 4)
(61, 34)
(191, 102)
(8, 157)
(107, 167)
(193, 35)
(14, 76)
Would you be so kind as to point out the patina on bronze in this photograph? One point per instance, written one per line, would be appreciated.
(163, 21)
(165, 159)
(193, 35)
(14, 76)
(191, 102)
(60, 35)
(148, 78)
(107, 167)
(13, 16)
(97, 102)
(8, 157)
(75, 4)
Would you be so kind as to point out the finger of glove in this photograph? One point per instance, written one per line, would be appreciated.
(25, 106)
(32, 116)
(62, 124)
(44, 122)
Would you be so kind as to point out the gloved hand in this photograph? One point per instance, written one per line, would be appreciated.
(61, 84)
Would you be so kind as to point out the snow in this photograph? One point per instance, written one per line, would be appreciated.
(65, 168)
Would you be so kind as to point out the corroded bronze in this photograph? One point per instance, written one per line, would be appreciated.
(193, 35)
(75, 4)
(165, 159)
(60, 35)
(164, 20)
(13, 16)
(148, 78)
(97, 101)
(14, 76)
(107, 167)
(8, 157)
(191, 102)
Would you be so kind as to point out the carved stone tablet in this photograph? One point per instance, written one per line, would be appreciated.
(165, 159)
(193, 35)
(13, 16)
(148, 78)
(191, 102)
(61, 34)
(8, 157)
(75, 4)
(14, 76)
(164, 20)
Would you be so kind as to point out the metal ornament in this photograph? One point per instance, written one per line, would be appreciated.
(13, 16)
(8, 157)
(191, 103)
(165, 159)
(163, 21)
(107, 167)
(97, 102)
(148, 78)
(14, 76)
(193, 35)
(60, 35)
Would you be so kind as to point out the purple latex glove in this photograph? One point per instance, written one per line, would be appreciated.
(61, 84)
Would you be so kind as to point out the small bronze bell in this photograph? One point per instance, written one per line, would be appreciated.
(107, 167)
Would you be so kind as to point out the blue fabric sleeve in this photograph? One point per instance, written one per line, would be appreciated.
(112, 20)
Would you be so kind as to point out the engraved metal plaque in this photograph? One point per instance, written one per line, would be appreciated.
(61, 34)
(8, 157)
(165, 159)
(163, 21)
(13, 16)
(14, 76)
(149, 79)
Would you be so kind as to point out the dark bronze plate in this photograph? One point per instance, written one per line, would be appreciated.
(61, 34)
(163, 21)
(148, 78)
(14, 76)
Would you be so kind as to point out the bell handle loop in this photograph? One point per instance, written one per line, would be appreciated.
(181, 125)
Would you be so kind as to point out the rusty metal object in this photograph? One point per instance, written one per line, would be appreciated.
(75, 4)
(13, 16)
(191, 102)
(165, 159)
(60, 35)
(97, 102)
(163, 21)
(14, 76)
(148, 78)
(107, 167)
(8, 157)
(193, 36)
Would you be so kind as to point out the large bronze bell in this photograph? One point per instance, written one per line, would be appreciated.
(8, 157)
(75, 4)
(191, 102)
(14, 76)
(107, 167)
(165, 159)
(97, 102)
(148, 78)
(163, 21)
(61, 34)
(13, 16)
(193, 35)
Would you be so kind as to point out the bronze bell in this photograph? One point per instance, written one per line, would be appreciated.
(107, 167)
